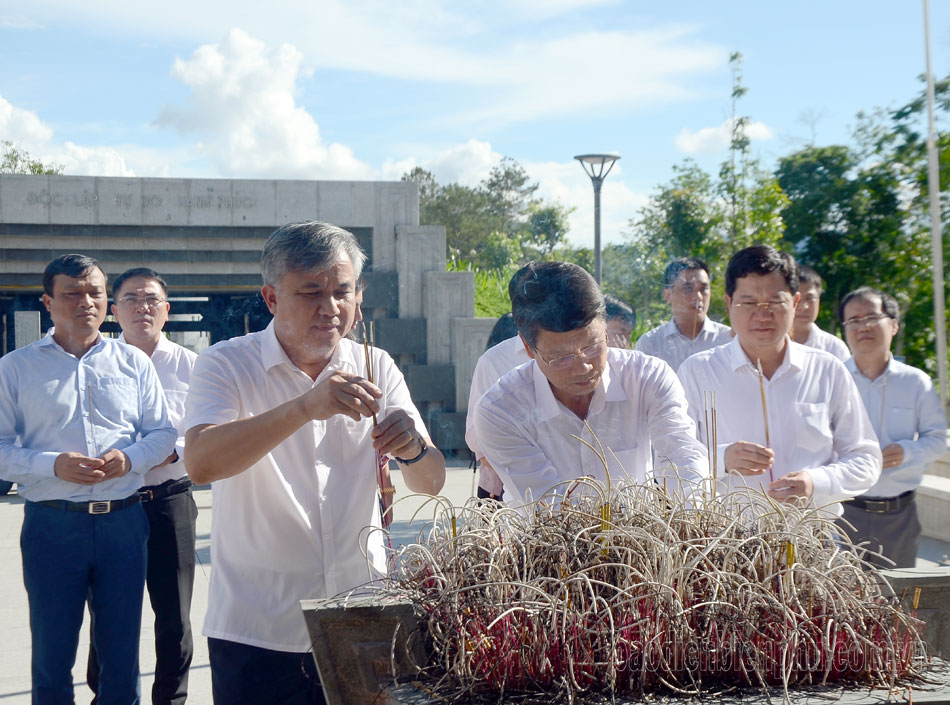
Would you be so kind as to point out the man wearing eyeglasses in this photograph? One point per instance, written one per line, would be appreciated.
(576, 387)
(141, 310)
(686, 289)
(797, 429)
(909, 422)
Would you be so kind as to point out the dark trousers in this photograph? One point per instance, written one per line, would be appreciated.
(69, 557)
(896, 535)
(249, 675)
(170, 580)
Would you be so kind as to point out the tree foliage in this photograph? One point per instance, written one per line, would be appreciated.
(696, 214)
(496, 224)
(19, 161)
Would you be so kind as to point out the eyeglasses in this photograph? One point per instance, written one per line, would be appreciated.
(150, 302)
(773, 307)
(858, 323)
(586, 355)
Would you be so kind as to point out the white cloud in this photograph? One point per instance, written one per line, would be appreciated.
(520, 66)
(28, 132)
(467, 164)
(567, 183)
(242, 108)
(18, 22)
(562, 182)
(21, 126)
(711, 140)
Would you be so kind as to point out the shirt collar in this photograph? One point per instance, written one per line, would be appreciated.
(853, 368)
(707, 327)
(48, 339)
(273, 354)
(794, 356)
(608, 388)
(163, 345)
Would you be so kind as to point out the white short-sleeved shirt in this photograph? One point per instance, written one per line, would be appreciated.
(527, 434)
(173, 364)
(817, 421)
(667, 343)
(292, 526)
(823, 340)
(494, 363)
(904, 408)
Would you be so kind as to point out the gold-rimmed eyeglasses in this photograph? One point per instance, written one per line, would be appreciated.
(866, 321)
(774, 307)
(589, 353)
(149, 302)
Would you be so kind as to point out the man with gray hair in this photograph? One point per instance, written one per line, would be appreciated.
(283, 423)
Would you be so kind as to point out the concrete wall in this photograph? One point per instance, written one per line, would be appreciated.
(205, 237)
(191, 229)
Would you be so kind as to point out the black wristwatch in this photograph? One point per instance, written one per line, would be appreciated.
(422, 454)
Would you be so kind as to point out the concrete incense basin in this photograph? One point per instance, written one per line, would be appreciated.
(357, 641)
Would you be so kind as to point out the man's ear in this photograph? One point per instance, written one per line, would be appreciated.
(47, 300)
(527, 348)
(112, 309)
(668, 295)
(269, 294)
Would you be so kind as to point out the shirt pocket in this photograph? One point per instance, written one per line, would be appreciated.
(899, 424)
(814, 427)
(114, 402)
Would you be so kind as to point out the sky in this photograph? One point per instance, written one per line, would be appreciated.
(368, 89)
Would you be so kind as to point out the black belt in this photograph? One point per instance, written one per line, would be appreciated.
(91, 507)
(884, 505)
(166, 489)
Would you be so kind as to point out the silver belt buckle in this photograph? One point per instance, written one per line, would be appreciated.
(99, 507)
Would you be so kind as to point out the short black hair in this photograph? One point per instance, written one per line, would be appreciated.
(808, 275)
(616, 308)
(138, 272)
(503, 329)
(73, 265)
(889, 304)
(761, 259)
(555, 296)
(683, 264)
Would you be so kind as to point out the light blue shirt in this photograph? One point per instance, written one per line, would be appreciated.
(904, 408)
(53, 402)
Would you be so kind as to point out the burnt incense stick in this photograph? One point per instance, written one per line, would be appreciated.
(765, 410)
(370, 370)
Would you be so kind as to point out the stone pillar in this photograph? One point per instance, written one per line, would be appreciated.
(445, 296)
(26, 327)
(394, 204)
(419, 249)
(468, 343)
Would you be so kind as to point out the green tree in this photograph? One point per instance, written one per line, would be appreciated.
(18, 161)
(496, 224)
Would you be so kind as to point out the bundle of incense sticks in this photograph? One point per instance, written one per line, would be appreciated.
(765, 410)
(383, 478)
(712, 436)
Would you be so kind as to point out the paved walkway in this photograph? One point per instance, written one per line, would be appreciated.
(14, 618)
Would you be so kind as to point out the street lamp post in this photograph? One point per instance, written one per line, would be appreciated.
(597, 166)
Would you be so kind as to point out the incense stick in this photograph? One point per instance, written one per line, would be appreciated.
(370, 369)
(765, 410)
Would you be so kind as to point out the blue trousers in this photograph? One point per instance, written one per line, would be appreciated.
(67, 558)
(169, 579)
